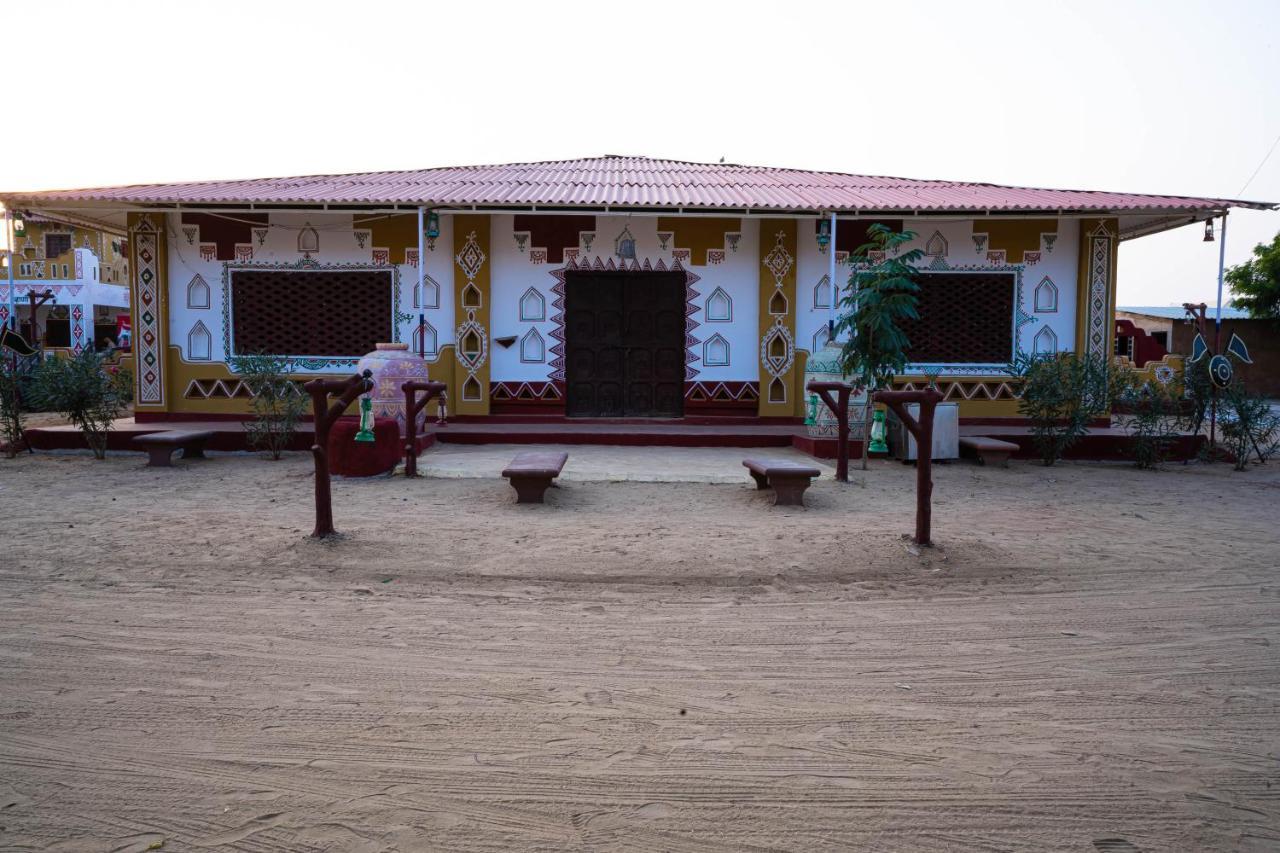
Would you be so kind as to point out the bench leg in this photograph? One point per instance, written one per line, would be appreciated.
(160, 457)
(762, 482)
(530, 490)
(193, 451)
(994, 457)
(789, 491)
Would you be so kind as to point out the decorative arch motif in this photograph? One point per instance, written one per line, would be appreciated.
(822, 293)
(533, 307)
(1046, 297)
(1045, 341)
(719, 307)
(198, 292)
(778, 304)
(820, 338)
(533, 349)
(427, 293)
(426, 340)
(937, 246)
(471, 296)
(715, 352)
(199, 343)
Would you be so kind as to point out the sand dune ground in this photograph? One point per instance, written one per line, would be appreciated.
(1088, 661)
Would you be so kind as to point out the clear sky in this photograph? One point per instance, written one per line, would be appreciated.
(1168, 97)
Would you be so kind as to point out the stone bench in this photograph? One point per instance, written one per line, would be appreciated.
(531, 474)
(988, 451)
(161, 445)
(788, 479)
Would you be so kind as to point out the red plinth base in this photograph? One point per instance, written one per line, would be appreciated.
(351, 458)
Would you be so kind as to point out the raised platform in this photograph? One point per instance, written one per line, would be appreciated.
(1102, 443)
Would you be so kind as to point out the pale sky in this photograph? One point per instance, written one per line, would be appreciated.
(1159, 97)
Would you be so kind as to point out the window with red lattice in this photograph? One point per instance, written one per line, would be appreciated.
(340, 313)
(965, 318)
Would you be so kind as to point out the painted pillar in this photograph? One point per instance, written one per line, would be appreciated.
(777, 293)
(149, 306)
(471, 298)
(1096, 287)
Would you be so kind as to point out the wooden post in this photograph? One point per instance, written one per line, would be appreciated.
(413, 405)
(840, 408)
(325, 413)
(922, 432)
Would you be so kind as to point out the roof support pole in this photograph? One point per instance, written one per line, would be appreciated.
(831, 278)
(422, 277)
(11, 320)
(1221, 264)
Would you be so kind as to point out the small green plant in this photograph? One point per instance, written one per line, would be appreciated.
(1060, 394)
(882, 294)
(86, 391)
(10, 405)
(1153, 421)
(1248, 426)
(277, 404)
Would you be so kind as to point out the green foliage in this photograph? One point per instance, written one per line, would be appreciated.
(277, 404)
(10, 405)
(87, 391)
(1060, 394)
(881, 295)
(1249, 427)
(1154, 422)
(1256, 282)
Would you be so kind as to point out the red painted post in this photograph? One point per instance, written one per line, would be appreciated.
(324, 415)
(840, 408)
(922, 432)
(413, 405)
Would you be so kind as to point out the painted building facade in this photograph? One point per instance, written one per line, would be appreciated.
(615, 287)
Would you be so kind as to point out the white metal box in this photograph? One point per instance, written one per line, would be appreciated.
(946, 433)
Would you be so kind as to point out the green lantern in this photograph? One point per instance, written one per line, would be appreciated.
(877, 433)
(812, 417)
(366, 419)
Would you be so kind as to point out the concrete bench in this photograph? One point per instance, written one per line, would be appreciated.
(161, 445)
(788, 479)
(531, 474)
(987, 450)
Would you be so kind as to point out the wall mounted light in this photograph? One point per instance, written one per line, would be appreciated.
(433, 229)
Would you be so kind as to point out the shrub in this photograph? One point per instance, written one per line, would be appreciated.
(1060, 393)
(86, 391)
(10, 406)
(1248, 425)
(277, 404)
(1154, 422)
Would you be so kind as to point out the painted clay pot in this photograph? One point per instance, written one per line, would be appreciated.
(824, 366)
(392, 365)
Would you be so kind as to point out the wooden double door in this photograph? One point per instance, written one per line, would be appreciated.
(624, 344)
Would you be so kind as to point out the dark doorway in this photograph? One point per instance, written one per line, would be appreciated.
(624, 344)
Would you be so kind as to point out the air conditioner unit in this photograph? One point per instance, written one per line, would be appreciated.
(946, 433)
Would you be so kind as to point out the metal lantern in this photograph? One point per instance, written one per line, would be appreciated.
(366, 419)
(812, 417)
(878, 433)
(824, 234)
(433, 225)
(1208, 231)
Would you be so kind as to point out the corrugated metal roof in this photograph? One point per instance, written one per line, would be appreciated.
(632, 182)
(1170, 312)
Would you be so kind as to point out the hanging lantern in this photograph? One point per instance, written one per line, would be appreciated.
(877, 433)
(1208, 231)
(366, 419)
(824, 234)
(433, 225)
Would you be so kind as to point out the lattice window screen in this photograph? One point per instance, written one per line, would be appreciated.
(321, 312)
(964, 318)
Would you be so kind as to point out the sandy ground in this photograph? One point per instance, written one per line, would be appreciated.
(1088, 661)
